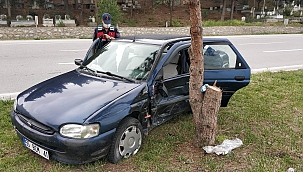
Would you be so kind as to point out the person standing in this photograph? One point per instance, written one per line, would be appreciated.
(105, 31)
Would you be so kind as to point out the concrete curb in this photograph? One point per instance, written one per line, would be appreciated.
(9, 96)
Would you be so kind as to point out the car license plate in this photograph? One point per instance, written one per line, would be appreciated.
(40, 151)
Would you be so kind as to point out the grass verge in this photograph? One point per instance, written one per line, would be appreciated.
(267, 116)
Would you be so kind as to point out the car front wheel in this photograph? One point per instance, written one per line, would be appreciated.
(127, 140)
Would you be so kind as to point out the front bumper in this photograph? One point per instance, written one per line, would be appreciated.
(66, 150)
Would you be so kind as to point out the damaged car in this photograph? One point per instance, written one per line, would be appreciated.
(118, 92)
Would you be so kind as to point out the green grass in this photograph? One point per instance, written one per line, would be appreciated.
(267, 116)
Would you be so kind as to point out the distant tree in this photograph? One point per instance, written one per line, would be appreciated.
(232, 9)
(96, 11)
(223, 10)
(111, 7)
(9, 13)
(81, 13)
(171, 4)
(66, 7)
(258, 1)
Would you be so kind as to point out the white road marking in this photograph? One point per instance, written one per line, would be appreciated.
(276, 51)
(74, 50)
(66, 63)
(263, 43)
(275, 69)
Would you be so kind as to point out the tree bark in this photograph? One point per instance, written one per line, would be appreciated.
(9, 15)
(223, 10)
(204, 106)
(171, 13)
(232, 9)
(96, 12)
(196, 65)
(66, 7)
(210, 108)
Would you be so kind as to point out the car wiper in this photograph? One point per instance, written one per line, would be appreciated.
(115, 75)
(93, 72)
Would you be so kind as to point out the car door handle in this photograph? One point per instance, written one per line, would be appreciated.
(239, 78)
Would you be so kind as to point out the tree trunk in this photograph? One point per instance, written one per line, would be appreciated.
(232, 9)
(96, 12)
(81, 14)
(204, 107)
(210, 109)
(197, 65)
(263, 8)
(171, 13)
(223, 10)
(66, 7)
(9, 15)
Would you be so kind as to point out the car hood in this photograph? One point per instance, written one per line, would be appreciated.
(69, 98)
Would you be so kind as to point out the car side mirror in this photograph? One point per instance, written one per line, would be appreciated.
(160, 88)
(78, 62)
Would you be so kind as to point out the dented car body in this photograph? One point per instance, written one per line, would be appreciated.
(120, 90)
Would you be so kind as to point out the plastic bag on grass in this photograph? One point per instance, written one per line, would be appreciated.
(226, 147)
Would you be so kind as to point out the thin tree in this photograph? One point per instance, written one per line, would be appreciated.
(204, 106)
(9, 14)
(171, 12)
(223, 10)
(66, 7)
(81, 13)
(96, 11)
(232, 9)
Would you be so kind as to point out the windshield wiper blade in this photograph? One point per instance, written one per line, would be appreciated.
(115, 75)
(93, 72)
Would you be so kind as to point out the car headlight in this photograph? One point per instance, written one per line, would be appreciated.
(15, 104)
(80, 131)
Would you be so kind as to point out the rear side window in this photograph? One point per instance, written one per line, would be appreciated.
(215, 57)
(219, 56)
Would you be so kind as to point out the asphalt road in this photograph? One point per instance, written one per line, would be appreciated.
(27, 62)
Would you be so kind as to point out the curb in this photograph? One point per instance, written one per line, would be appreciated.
(9, 96)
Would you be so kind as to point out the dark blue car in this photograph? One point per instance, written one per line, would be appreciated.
(120, 90)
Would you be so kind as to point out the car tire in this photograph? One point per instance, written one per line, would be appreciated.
(127, 140)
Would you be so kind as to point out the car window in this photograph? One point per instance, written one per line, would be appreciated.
(219, 56)
(171, 69)
(215, 57)
(131, 60)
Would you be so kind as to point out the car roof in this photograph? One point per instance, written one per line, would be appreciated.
(154, 38)
(160, 39)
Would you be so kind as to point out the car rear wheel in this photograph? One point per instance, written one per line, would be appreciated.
(127, 140)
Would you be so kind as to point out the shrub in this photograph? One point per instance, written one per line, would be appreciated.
(61, 24)
(176, 23)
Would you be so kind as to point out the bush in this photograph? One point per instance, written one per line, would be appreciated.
(176, 23)
(61, 24)
(287, 11)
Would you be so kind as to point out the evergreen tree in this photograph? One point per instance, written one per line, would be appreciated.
(111, 7)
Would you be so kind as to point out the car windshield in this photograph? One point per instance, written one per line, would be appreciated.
(126, 59)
